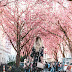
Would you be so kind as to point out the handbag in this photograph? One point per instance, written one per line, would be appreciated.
(26, 64)
(39, 64)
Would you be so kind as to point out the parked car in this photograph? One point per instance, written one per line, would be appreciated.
(69, 68)
(66, 63)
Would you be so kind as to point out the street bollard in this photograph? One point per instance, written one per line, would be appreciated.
(3, 68)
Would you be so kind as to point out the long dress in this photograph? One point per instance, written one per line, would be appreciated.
(36, 56)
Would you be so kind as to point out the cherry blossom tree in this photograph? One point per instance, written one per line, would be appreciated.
(23, 20)
(53, 20)
(15, 26)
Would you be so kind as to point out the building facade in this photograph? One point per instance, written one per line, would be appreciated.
(5, 50)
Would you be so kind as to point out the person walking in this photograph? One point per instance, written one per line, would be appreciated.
(48, 66)
(52, 68)
(37, 54)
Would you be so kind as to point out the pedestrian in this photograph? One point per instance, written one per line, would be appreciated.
(48, 65)
(57, 66)
(52, 68)
(37, 54)
(9, 69)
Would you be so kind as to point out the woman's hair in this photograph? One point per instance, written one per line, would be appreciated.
(37, 38)
(38, 43)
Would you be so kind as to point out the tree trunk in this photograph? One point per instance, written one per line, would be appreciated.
(18, 59)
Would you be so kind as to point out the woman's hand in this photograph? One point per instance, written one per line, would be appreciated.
(31, 59)
(42, 60)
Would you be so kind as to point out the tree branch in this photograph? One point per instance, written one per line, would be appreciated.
(26, 34)
(24, 44)
(51, 32)
(61, 51)
(65, 33)
(6, 3)
(63, 6)
(9, 38)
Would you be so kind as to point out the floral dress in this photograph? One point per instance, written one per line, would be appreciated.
(36, 56)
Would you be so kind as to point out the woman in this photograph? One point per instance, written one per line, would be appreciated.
(37, 54)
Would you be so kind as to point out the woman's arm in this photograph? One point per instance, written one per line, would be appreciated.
(42, 49)
(41, 59)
